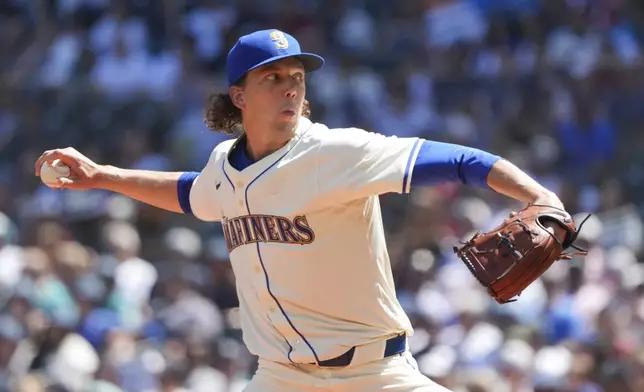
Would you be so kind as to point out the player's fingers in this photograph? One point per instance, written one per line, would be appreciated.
(71, 183)
(49, 156)
(64, 182)
(64, 155)
(44, 157)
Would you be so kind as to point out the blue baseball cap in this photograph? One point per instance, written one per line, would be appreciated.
(265, 46)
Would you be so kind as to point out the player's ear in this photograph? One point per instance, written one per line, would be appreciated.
(237, 96)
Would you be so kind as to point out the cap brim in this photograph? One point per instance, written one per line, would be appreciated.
(310, 61)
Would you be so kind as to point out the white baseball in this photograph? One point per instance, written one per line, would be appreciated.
(49, 174)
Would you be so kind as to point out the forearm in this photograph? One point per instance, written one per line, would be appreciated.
(156, 188)
(507, 179)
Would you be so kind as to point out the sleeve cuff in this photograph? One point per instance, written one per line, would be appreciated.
(411, 161)
(184, 186)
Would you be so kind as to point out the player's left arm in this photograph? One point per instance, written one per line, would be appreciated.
(444, 162)
(354, 163)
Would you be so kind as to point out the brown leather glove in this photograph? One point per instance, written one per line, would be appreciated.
(510, 257)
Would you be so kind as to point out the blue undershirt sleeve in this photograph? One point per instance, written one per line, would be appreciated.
(184, 185)
(439, 162)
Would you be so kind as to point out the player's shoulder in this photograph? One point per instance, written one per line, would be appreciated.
(338, 136)
(322, 131)
(338, 140)
(221, 150)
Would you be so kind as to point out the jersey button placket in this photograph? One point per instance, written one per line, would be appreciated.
(269, 302)
(239, 193)
(271, 314)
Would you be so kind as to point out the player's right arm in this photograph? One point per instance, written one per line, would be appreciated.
(181, 192)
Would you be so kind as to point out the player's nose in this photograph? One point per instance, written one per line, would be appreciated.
(290, 93)
(291, 90)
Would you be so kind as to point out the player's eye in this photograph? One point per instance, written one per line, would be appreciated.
(272, 76)
(299, 77)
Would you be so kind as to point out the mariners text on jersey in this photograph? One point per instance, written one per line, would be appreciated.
(249, 229)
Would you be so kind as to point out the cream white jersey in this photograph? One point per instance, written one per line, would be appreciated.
(306, 240)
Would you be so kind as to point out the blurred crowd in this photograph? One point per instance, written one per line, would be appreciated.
(101, 293)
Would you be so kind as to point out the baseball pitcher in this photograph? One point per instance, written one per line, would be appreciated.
(300, 210)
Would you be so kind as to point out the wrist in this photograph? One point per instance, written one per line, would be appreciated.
(549, 198)
(105, 177)
(542, 195)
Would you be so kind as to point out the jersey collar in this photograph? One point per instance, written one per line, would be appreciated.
(252, 171)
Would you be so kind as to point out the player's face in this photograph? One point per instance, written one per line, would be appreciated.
(274, 93)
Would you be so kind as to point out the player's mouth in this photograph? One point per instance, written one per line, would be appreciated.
(289, 112)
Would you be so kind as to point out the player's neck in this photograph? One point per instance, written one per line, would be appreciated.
(260, 143)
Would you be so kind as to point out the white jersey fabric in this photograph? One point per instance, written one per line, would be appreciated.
(306, 239)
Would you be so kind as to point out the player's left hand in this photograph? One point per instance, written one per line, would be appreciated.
(551, 199)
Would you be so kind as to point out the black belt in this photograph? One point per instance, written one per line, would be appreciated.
(395, 345)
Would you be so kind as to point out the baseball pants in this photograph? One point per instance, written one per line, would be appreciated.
(398, 373)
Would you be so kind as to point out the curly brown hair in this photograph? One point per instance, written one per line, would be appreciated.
(223, 116)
